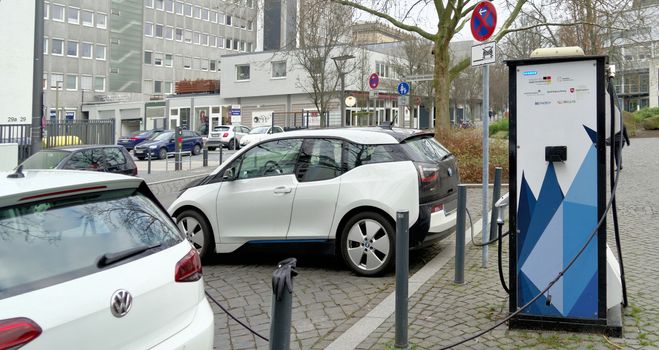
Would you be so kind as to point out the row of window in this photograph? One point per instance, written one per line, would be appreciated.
(277, 70)
(167, 60)
(74, 15)
(157, 87)
(71, 48)
(201, 13)
(185, 35)
(73, 82)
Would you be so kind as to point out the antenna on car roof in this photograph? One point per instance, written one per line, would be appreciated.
(386, 125)
(17, 174)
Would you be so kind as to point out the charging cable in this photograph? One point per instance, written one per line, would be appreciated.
(235, 318)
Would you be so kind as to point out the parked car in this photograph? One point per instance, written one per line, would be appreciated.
(165, 142)
(258, 134)
(226, 135)
(108, 158)
(337, 186)
(92, 261)
(129, 142)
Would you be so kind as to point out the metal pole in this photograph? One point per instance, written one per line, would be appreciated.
(37, 78)
(205, 157)
(282, 301)
(148, 155)
(343, 98)
(221, 152)
(460, 236)
(486, 152)
(402, 273)
(496, 193)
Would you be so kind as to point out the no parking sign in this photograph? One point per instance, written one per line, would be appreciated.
(483, 21)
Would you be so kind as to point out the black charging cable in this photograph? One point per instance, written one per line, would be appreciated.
(235, 318)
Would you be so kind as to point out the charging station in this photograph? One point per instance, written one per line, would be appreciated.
(558, 194)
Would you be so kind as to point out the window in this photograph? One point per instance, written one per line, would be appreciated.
(319, 160)
(250, 4)
(114, 157)
(101, 20)
(242, 72)
(168, 60)
(187, 36)
(99, 84)
(148, 57)
(228, 20)
(157, 87)
(235, 45)
(212, 41)
(220, 18)
(57, 47)
(148, 29)
(179, 34)
(167, 87)
(86, 50)
(100, 52)
(157, 59)
(269, 159)
(159, 30)
(86, 82)
(169, 6)
(204, 14)
(204, 39)
(56, 80)
(204, 64)
(114, 70)
(44, 82)
(213, 17)
(250, 25)
(45, 46)
(73, 15)
(188, 10)
(196, 63)
(212, 65)
(279, 69)
(87, 18)
(169, 33)
(220, 42)
(71, 82)
(173, 112)
(242, 46)
(187, 62)
(367, 154)
(197, 12)
(147, 87)
(178, 8)
(228, 44)
(382, 69)
(159, 4)
(72, 48)
(196, 36)
(57, 12)
(148, 3)
(249, 47)
(46, 10)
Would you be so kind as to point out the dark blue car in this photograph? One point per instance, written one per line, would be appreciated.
(164, 142)
(129, 142)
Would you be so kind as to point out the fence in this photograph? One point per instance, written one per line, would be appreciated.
(302, 120)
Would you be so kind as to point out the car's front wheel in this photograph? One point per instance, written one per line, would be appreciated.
(367, 244)
(162, 154)
(196, 150)
(197, 231)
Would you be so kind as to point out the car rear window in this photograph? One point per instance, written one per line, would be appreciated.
(45, 160)
(49, 242)
(221, 128)
(426, 149)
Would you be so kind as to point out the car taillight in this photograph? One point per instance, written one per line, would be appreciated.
(16, 332)
(188, 269)
(134, 139)
(134, 173)
(428, 173)
(437, 207)
(226, 134)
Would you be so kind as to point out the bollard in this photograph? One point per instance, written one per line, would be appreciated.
(460, 236)
(148, 155)
(205, 157)
(496, 193)
(402, 273)
(282, 303)
(177, 161)
(221, 152)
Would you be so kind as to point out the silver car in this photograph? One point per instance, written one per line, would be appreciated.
(226, 135)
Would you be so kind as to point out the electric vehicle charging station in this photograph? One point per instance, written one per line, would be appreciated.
(558, 194)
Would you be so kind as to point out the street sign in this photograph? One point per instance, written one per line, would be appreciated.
(403, 101)
(373, 80)
(483, 20)
(420, 77)
(373, 94)
(351, 101)
(403, 88)
(484, 53)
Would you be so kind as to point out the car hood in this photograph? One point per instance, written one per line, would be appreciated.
(151, 143)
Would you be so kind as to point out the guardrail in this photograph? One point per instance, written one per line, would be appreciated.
(177, 158)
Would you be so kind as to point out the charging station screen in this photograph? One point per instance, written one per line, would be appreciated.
(557, 199)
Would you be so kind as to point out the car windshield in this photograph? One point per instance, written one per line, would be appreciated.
(261, 130)
(56, 240)
(45, 159)
(426, 149)
(221, 128)
(165, 136)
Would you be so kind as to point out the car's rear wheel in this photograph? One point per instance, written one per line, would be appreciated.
(162, 154)
(197, 231)
(196, 150)
(367, 244)
(233, 144)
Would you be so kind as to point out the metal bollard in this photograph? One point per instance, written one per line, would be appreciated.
(402, 273)
(148, 155)
(282, 301)
(177, 161)
(460, 236)
(496, 193)
(205, 157)
(221, 153)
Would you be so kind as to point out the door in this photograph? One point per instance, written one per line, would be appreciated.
(188, 140)
(257, 204)
(318, 173)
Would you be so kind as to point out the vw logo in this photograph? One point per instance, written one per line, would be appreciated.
(450, 172)
(120, 303)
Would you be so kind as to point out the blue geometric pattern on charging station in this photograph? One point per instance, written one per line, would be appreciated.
(552, 228)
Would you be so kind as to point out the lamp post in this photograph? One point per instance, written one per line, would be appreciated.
(339, 61)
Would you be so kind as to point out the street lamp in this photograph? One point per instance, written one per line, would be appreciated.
(340, 60)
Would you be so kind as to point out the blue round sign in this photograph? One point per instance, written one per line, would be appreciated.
(404, 88)
(373, 80)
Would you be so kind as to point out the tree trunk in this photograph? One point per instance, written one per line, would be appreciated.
(442, 87)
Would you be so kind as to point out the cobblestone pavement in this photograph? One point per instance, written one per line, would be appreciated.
(442, 313)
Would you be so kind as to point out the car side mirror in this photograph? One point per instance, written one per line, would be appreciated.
(172, 140)
(229, 175)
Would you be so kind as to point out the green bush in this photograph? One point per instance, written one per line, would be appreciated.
(651, 123)
(630, 123)
(499, 125)
(500, 135)
(467, 145)
(645, 113)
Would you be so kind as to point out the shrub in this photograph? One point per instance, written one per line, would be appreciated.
(467, 145)
(645, 113)
(499, 125)
(630, 123)
(651, 123)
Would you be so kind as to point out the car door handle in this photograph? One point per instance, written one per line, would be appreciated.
(282, 190)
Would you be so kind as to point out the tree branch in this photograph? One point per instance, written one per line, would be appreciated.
(509, 21)
(459, 67)
(504, 32)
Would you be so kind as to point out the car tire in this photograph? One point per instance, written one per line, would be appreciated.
(211, 148)
(140, 158)
(196, 150)
(233, 144)
(162, 154)
(197, 231)
(367, 244)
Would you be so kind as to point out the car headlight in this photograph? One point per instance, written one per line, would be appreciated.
(153, 146)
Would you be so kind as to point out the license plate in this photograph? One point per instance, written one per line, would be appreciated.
(138, 152)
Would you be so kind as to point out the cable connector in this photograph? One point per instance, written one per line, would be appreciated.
(611, 71)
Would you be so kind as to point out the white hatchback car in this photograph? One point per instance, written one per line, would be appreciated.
(226, 135)
(260, 133)
(335, 186)
(93, 261)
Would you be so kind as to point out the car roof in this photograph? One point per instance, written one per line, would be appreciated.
(362, 135)
(39, 184)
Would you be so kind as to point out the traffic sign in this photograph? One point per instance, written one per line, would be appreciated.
(483, 20)
(373, 94)
(484, 53)
(403, 101)
(373, 80)
(351, 101)
(403, 88)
